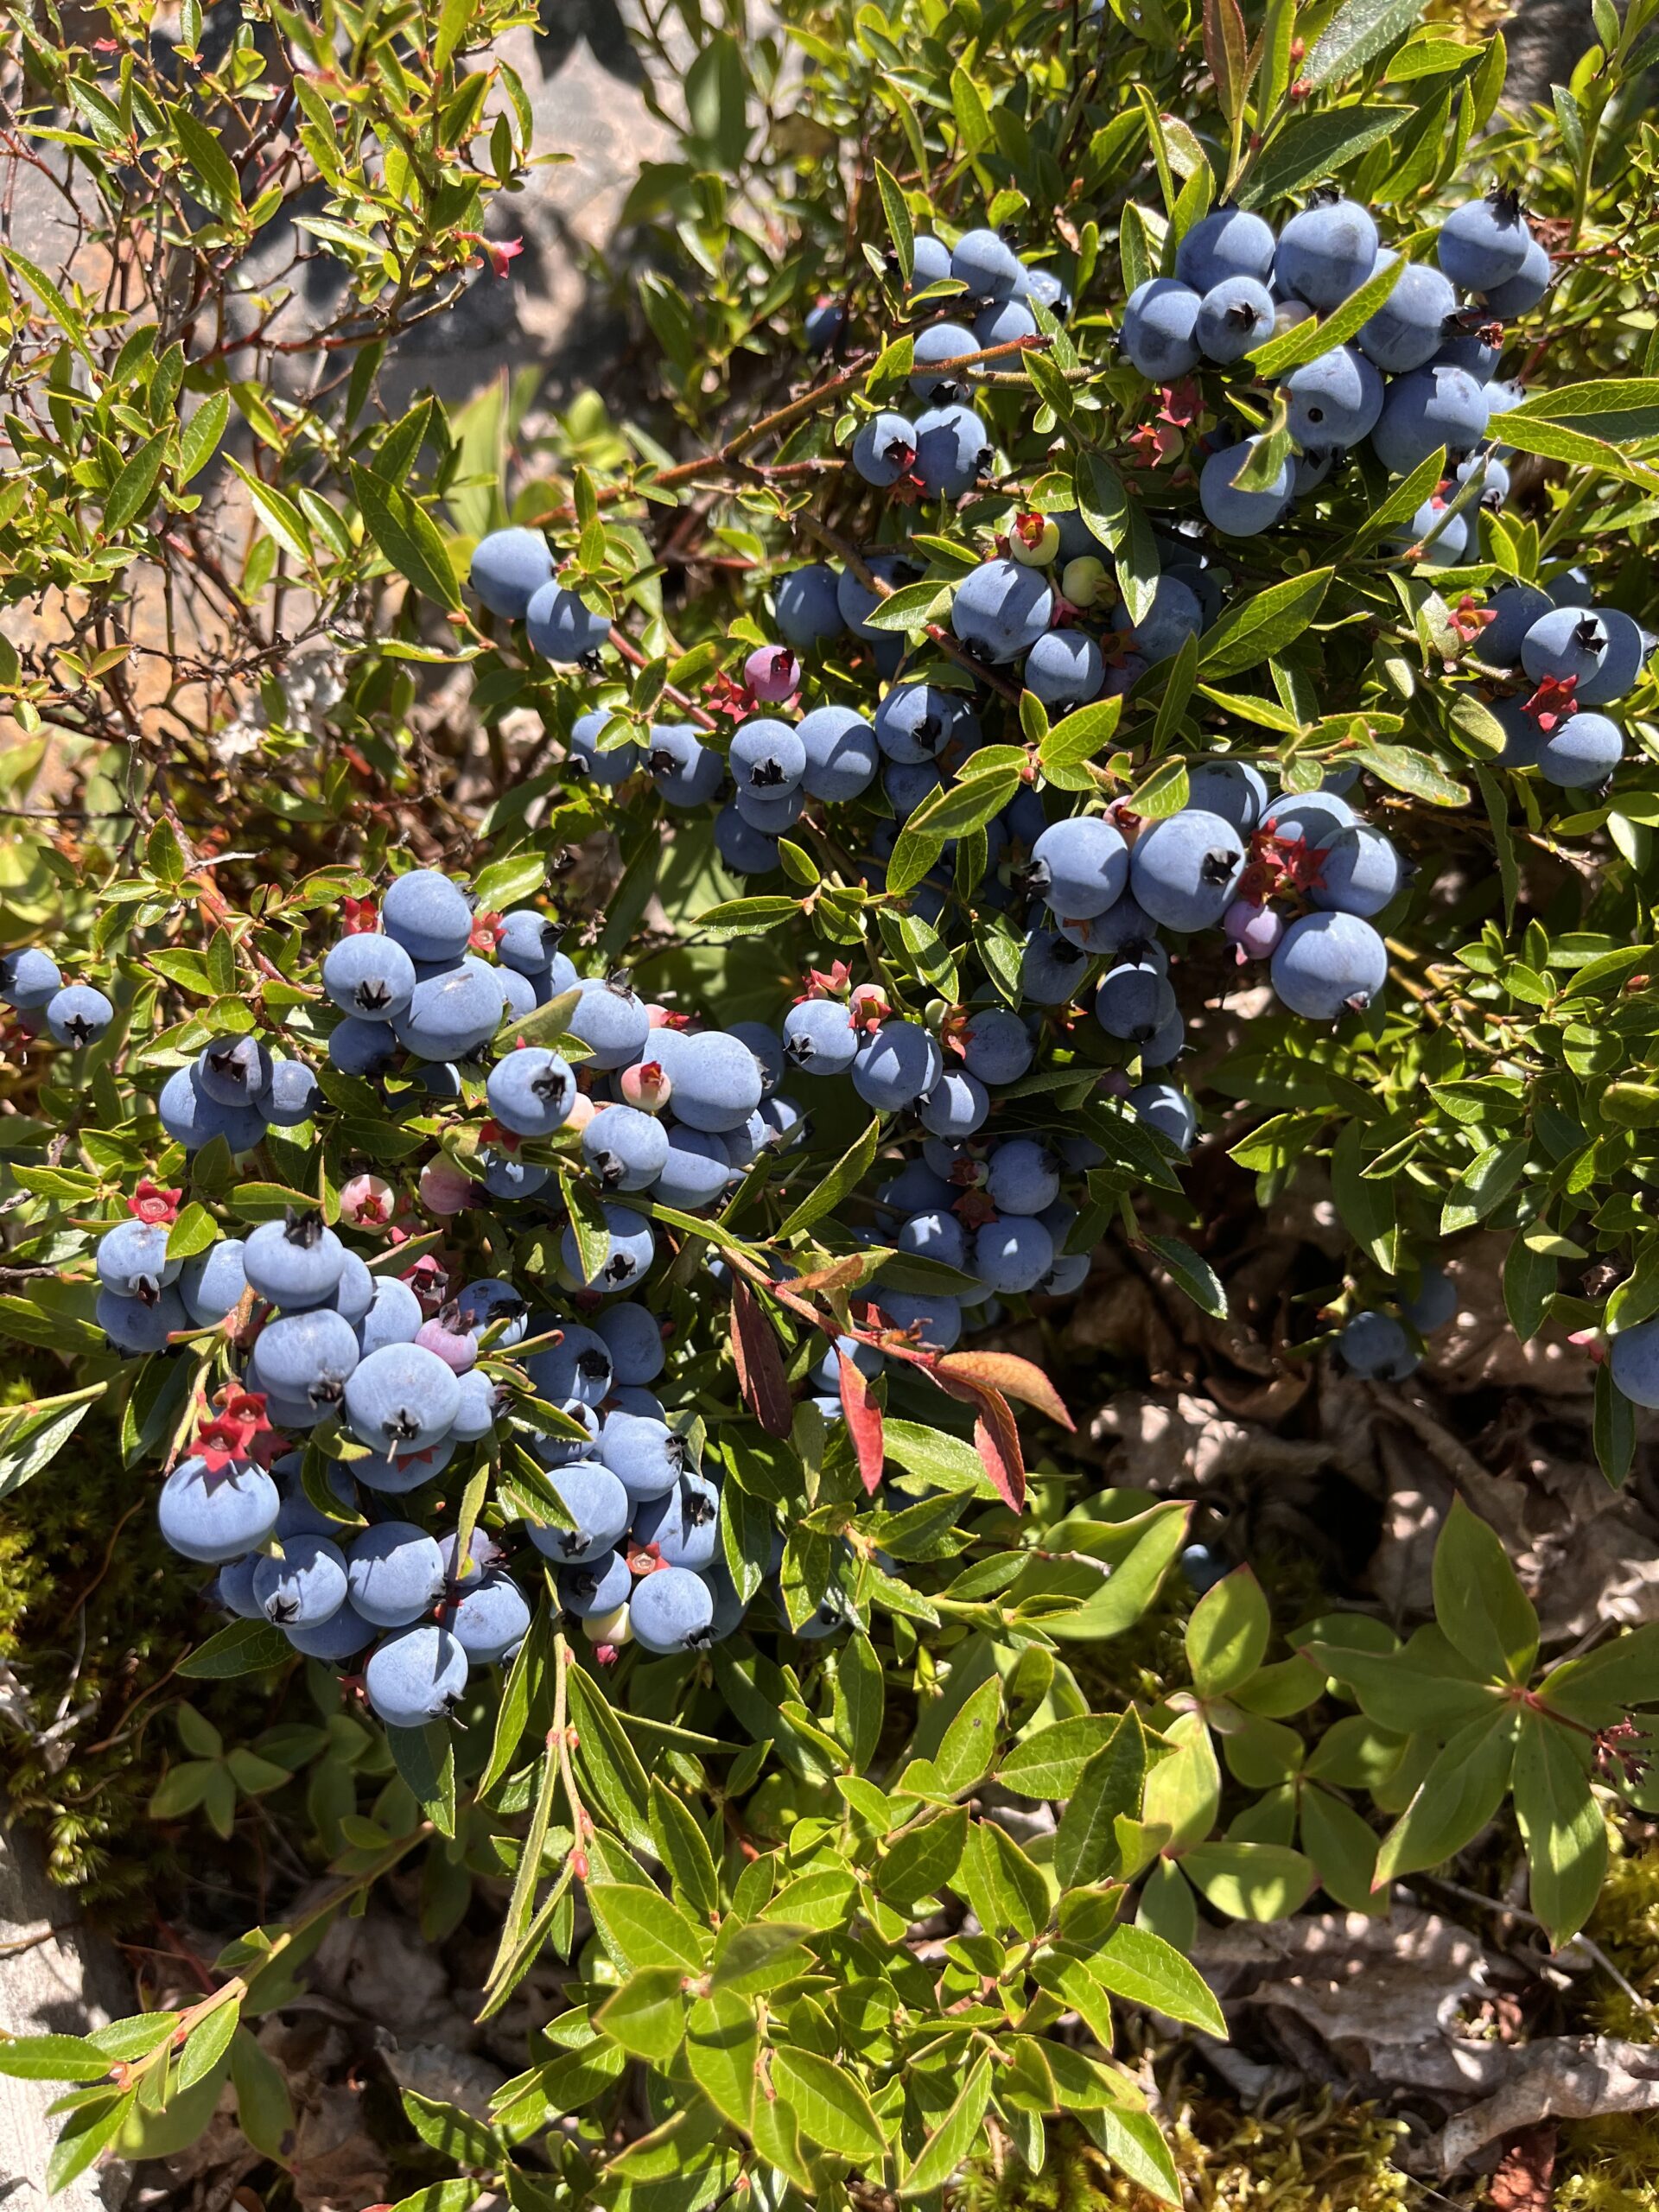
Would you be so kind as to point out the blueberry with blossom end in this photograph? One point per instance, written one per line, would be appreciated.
(686, 772)
(78, 1015)
(627, 1149)
(598, 1506)
(529, 941)
(213, 1515)
(428, 915)
(631, 1247)
(1484, 243)
(1333, 401)
(29, 978)
(596, 1586)
(683, 1525)
(1125, 930)
(415, 1675)
(805, 605)
(931, 350)
(1568, 642)
(884, 449)
(613, 1022)
(449, 1016)
(445, 1333)
(136, 1326)
(509, 568)
(562, 627)
(1581, 751)
(1052, 968)
(1254, 929)
(400, 1399)
(606, 766)
(1233, 317)
(895, 1066)
(308, 1355)
(575, 1369)
(819, 1037)
(1080, 866)
(1375, 1345)
(767, 756)
(304, 1587)
(670, 1612)
(236, 1070)
(914, 722)
(293, 1262)
(531, 1090)
(1167, 1108)
(1329, 964)
(1001, 609)
(1185, 870)
(1159, 333)
(132, 1260)
(772, 673)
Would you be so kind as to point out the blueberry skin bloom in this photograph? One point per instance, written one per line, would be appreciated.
(1333, 400)
(717, 1081)
(1233, 317)
(1241, 514)
(1013, 1254)
(1025, 1177)
(1517, 606)
(602, 1583)
(1228, 243)
(841, 753)
(1428, 409)
(628, 1254)
(489, 1619)
(395, 1574)
(1081, 866)
(884, 449)
(819, 1037)
(78, 1015)
(1375, 1347)
(805, 607)
(685, 1525)
(671, 1610)
(1434, 1304)
(1484, 243)
(1325, 253)
(1169, 1109)
(768, 755)
(29, 978)
(633, 1337)
(307, 1355)
(686, 772)
(698, 1172)
(562, 628)
(401, 1398)
(1051, 969)
(896, 1065)
(1519, 295)
(449, 1016)
(608, 768)
(1185, 869)
(215, 1517)
(627, 1150)
(370, 976)
(1134, 1000)
(132, 1260)
(614, 1024)
(1568, 641)
(415, 1675)
(509, 568)
(358, 1047)
(1065, 669)
(136, 1326)
(914, 722)
(336, 1641)
(596, 1503)
(1329, 964)
(304, 1587)
(1174, 616)
(530, 1091)
(1001, 609)
(956, 1105)
(428, 915)
(938, 343)
(1360, 872)
(1581, 751)
(296, 1263)
(577, 1369)
(987, 264)
(1160, 329)
(1407, 330)
(642, 1452)
(1232, 789)
(213, 1283)
(953, 449)
(1622, 663)
(1633, 1355)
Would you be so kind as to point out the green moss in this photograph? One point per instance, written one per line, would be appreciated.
(1609, 2166)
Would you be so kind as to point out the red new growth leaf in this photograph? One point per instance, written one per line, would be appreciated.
(997, 1435)
(1013, 1377)
(863, 1418)
(759, 1362)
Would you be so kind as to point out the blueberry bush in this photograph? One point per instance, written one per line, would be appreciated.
(570, 1003)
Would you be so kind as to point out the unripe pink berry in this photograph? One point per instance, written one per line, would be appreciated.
(647, 1086)
(582, 1110)
(366, 1201)
(1254, 929)
(453, 1346)
(444, 1188)
(772, 673)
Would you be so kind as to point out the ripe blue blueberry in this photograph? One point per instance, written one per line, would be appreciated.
(415, 1675)
(233, 1071)
(297, 1261)
(613, 1022)
(529, 941)
(132, 1260)
(336, 1641)
(1232, 789)
(428, 915)
(1519, 295)
(929, 262)
(307, 1355)
(935, 1316)
(1633, 1357)
(608, 766)
(1173, 617)
(1522, 735)
(509, 568)
(627, 1149)
(671, 1610)
(213, 1515)
(986, 265)
(213, 1283)
(997, 1046)
(370, 976)
(1134, 1000)
(400, 1399)
(233, 1588)
(1227, 243)
(1516, 607)
(1333, 400)
(1052, 968)
(1325, 253)
(804, 605)
(1001, 609)
(1203, 1568)
(914, 722)
(1622, 663)
(597, 1586)
(1024, 1176)
(908, 783)
(819, 1037)
(822, 324)
(1065, 669)
(896, 1065)
(1434, 535)
(1012, 1254)
(1004, 324)
(476, 1407)
(884, 449)
(686, 772)
(683, 1525)
(857, 603)
(645, 1454)
(697, 1171)
(919, 1187)
(1236, 513)
(1185, 869)
(519, 995)
(1233, 317)
(364, 1048)
(1310, 816)
(530, 1091)
(562, 627)
(634, 1337)
(575, 1369)
(599, 1508)
(450, 1015)
(1432, 1304)
(1125, 930)
(407, 1470)
(139, 1326)
(1568, 641)
(841, 753)
(1408, 329)
(953, 449)
(1375, 1347)
(717, 1081)
(489, 1617)
(936, 1234)
(1360, 872)
(631, 1248)
(394, 1317)
(395, 1573)
(78, 1015)
(767, 756)
(29, 978)
(940, 343)
(1167, 1108)
(956, 1105)
(294, 1095)
(304, 1587)
(1327, 965)
(1477, 351)
(1484, 243)
(1580, 752)
(1160, 329)
(1425, 410)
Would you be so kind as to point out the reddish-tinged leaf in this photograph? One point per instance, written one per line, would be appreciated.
(1526, 2171)
(760, 1362)
(1014, 1378)
(996, 1435)
(863, 1418)
(840, 1274)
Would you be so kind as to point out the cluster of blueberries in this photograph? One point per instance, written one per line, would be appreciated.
(32, 985)
(1418, 375)
(1387, 1347)
(1566, 657)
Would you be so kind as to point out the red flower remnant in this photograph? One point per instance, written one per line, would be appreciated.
(1468, 619)
(486, 933)
(1183, 402)
(1553, 703)
(361, 916)
(868, 1007)
(151, 1204)
(500, 253)
(233, 1433)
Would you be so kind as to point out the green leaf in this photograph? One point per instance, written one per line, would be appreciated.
(243, 1648)
(1133, 2143)
(85, 2134)
(264, 2111)
(211, 176)
(832, 2108)
(1121, 522)
(899, 228)
(1477, 1600)
(953, 2138)
(1309, 147)
(1455, 1799)
(1135, 1963)
(129, 493)
(425, 1759)
(646, 2015)
(922, 1860)
(684, 1850)
(722, 2050)
(52, 2058)
(970, 1743)
(643, 1927)
(1250, 1881)
(279, 514)
(1359, 31)
(1086, 1848)
(408, 536)
(846, 1175)
(1562, 1826)
(1260, 628)
(1305, 342)
(1194, 1275)
(462, 2139)
(1227, 1634)
(1608, 1682)
(750, 1961)
(1051, 1762)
